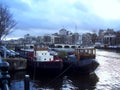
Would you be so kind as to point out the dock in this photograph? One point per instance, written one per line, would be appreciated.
(16, 64)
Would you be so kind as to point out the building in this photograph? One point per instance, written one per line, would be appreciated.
(87, 39)
(101, 36)
(110, 37)
(63, 32)
(118, 38)
(52, 39)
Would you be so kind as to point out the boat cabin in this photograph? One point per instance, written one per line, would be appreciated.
(85, 53)
(43, 55)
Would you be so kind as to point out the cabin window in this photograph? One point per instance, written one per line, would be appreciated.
(50, 59)
(31, 47)
(45, 59)
(42, 53)
(81, 50)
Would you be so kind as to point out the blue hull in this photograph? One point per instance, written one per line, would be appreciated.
(85, 66)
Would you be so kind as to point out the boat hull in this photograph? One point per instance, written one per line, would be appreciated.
(45, 68)
(85, 66)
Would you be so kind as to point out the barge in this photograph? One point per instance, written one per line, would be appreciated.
(44, 63)
(81, 62)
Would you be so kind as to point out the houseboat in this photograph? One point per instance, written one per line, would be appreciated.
(81, 62)
(43, 62)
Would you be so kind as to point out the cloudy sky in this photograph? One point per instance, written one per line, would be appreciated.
(39, 17)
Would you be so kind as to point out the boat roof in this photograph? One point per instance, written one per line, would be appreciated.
(41, 49)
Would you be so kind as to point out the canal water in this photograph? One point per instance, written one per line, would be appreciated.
(106, 77)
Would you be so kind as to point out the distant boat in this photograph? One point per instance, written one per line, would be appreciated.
(44, 63)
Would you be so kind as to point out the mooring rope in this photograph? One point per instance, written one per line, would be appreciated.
(34, 72)
(108, 56)
(60, 74)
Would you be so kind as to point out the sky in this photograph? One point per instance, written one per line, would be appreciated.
(39, 17)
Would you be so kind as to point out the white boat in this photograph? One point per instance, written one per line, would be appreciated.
(44, 62)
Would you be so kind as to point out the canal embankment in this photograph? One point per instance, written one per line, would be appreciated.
(16, 64)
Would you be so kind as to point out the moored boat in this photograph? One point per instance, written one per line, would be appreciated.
(82, 62)
(44, 63)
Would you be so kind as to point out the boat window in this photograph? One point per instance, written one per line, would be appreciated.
(45, 59)
(81, 51)
(31, 47)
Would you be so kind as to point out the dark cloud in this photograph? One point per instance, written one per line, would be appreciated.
(37, 24)
(16, 4)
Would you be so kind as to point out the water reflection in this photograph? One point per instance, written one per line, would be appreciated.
(65, 82)
(109, 70)
(76, 82)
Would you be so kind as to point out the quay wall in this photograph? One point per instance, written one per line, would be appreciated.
(16, 63)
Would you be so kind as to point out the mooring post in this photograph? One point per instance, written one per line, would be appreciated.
(5, 77)
(27, 82)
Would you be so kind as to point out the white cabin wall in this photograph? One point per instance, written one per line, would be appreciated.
(43, 56)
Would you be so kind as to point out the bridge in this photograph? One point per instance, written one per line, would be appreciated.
(66, 46)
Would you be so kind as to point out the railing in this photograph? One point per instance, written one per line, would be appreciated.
(5, 77)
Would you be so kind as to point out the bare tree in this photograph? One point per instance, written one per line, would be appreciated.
(6, 21)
